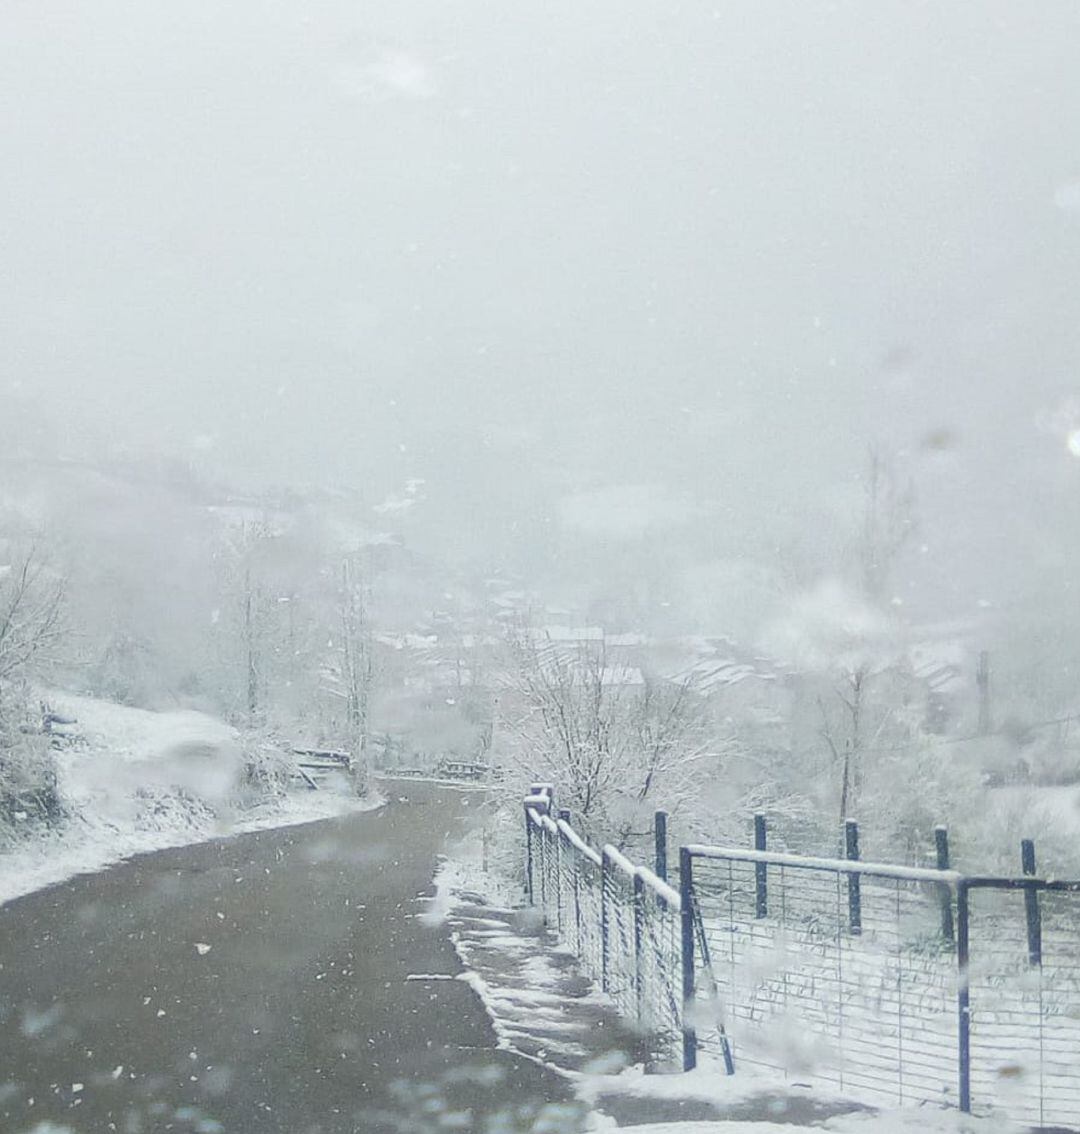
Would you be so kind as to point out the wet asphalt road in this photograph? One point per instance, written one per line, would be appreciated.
(299, 1018)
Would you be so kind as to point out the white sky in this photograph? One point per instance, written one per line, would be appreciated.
(531, 252)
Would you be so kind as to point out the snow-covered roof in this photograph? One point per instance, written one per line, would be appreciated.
(568, 633)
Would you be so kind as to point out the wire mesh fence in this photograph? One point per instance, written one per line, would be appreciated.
(896, 985)
(1021, 956)
(828, 968)
(621, 920)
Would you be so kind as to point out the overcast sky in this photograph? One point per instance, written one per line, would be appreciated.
(570, 261)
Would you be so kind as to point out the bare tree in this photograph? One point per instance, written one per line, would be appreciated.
(31, 630)
(852, 720)
(31, 614)
(357, 669)
(246, 628)
(888, 524)
(618, 742)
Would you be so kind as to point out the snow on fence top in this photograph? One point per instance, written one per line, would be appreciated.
(834, 865)
(578, 842)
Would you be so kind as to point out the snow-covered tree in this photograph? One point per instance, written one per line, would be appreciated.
(618, 741)
(31, 632)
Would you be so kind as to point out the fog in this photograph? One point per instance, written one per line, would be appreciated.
(672, 404)
(701, 255)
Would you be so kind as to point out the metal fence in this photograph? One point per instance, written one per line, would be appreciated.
(899, 985)
(623, 921)
(1019, 955)
(826, 967)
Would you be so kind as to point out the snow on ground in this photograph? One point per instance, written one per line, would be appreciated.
(538, 1003)
(879, 1122)
(134, 781)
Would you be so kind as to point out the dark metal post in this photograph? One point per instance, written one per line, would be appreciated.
(605, 917)
(941, 841)
(1031, 904)
(529, 854)
(660, 831)
(539, 804)
(548, 792)
(851, 852)
(639, 943)
(686, 893)
(543, 870)
(963, 996)
(575, 878)
(760, 869)
(560, 839)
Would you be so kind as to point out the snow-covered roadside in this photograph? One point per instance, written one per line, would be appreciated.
(758, 1102)
(878, 1122)
(118, 782)
(517, 975)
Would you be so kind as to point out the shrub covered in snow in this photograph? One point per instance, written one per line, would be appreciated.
(28, 783)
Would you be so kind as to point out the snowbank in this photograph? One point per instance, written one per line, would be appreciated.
(878, 1122)
(134, 781)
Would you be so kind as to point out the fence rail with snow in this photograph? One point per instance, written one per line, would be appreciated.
(900, 985)
(623, 922)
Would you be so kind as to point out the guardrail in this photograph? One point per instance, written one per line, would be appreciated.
(457, 770)
(622, 920)
(901, 985)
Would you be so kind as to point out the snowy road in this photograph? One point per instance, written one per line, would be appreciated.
(260, 983)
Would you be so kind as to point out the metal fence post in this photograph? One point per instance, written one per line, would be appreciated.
(529, 854)
(639, 943)
(543, 870)
(963, 995)
(660, 833)
(605, 917)
(851, 852)
(575, 878)
(1031, 904)
(686, 893)
(941, 843)
(761, 874)
(560, 850)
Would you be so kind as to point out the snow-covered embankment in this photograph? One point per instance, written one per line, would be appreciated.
(132, 781)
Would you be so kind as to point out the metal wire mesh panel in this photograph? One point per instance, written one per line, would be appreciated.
(580, 873)
(550, 892)
(590, 943)
(830, 971)
(1024, 1001)
(660, 969)
(620, 969)
(622, 921)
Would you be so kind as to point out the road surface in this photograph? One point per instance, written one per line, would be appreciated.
(264, 983)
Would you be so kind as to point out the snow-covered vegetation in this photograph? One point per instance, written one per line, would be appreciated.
(304, 619)
(127, 780)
